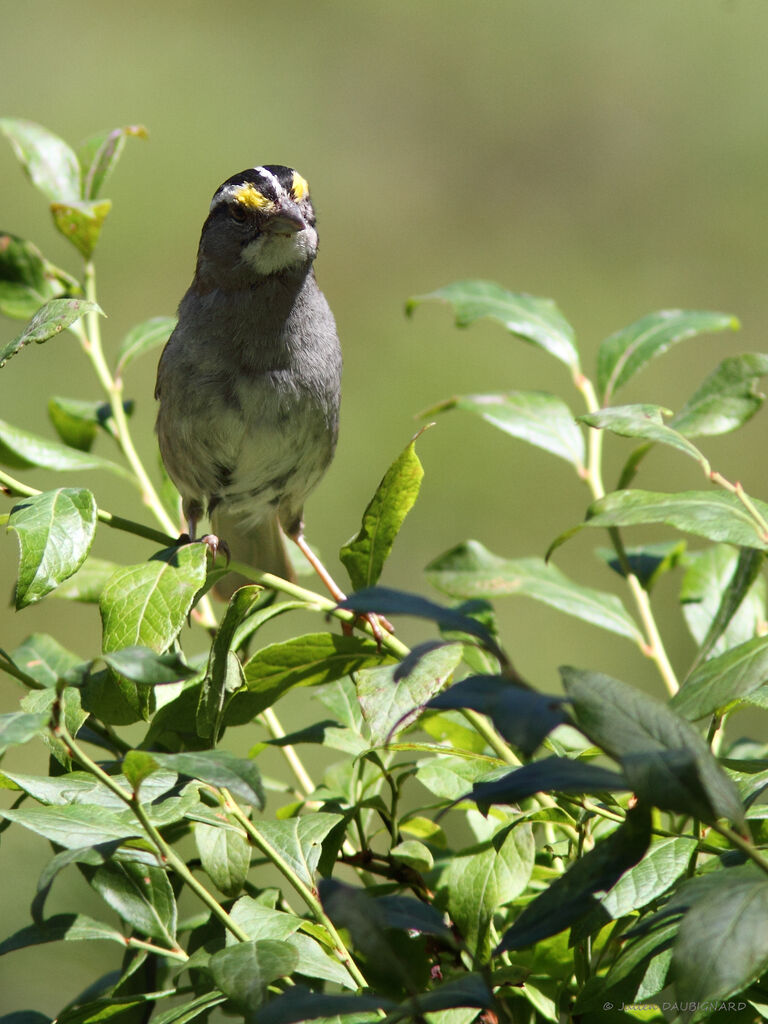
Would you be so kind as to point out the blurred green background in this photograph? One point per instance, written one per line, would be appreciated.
(611, 155)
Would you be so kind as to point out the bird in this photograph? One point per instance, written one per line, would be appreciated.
(249, 382)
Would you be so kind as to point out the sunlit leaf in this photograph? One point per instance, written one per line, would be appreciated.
(81, 222)
(48, 161)
(27, 279)
(144, 337)
(99, 154)
(50, 320)
(726, 399)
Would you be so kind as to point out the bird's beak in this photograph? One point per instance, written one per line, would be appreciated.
(288, 218)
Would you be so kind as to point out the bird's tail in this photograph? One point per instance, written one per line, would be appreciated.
(261, 546)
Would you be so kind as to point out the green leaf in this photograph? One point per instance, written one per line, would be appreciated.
(470, 570)
(574, 894)
(303, 661)
(22, 450)
(189, 1011)
(315, 961)
(27, 279)
(49, 162)
(242, 972)
(644, 421)
(224, 673)
(299, 1004)
(75, 826)
(55, 531)
(256, 918)
(19, 727)
(93, 855)
(723, 679)
(99, 154)
(388, 698)
(666, 860)
(226, 856)
(649, 562)
(538, 321)
(711, 514)
(537, 417)
(76, 431)
(722, 942)
(726, 399)
(60, 927)
(523, 717)
(88, 582)
(81, 222)
(364, 557)
(413, 854)
(143, 665)
(216, 768)
(43, 658)
(664, 758)
(723, 597)
(141, 894)
(450, 777)
(144, 337)
(627, 351)
(48, 321)
(551, 774)
(299, 841)
(480, 880)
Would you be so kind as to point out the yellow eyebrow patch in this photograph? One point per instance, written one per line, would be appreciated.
(249, 195)
(299, 187)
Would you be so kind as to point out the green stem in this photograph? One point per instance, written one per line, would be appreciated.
(743, 844)
(173, 954)
(163, 850)
(276, 731)
(312, 902)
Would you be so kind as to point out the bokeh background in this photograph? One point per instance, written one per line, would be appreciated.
(610, 155)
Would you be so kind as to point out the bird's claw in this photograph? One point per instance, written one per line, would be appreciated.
(216, 544)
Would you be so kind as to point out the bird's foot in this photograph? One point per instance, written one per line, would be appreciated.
(216, 544)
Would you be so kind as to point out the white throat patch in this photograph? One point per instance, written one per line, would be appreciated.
(271, 252)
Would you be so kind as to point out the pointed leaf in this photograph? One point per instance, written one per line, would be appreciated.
(364, 557)
(483, 878)
(303, 661)
(532, 319)
(644, 421)
(27, 279)
(189, 1011)
(21, 450)
(649, 562)
(523, 717)
(143, 338)
(666, 860)
(88, 582)
(664, 758)
(299, 841)
(387, 698)
(43, 658)
(726, 399)
(470, 570)
(98, 155)
(141, 894)
(143, 665)
(77, 422)
(81, 222)
(60, 927)
(218, 768)
(225, 856)
(243, 972)
(552, 774)
(50, 320)
(55, 531)
(49, 162)
(19, 727)
(723, 679)
(711, 514)
(624, 353)
(539, 418)
(299, 1004)
(75, 826)
(573, 894)
(93, 855)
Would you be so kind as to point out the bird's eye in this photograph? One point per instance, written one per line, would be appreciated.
(237, 213)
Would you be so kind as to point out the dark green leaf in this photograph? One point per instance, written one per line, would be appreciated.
(98, 155)
(645, 421)
(74, 430)
(242, 972)
(50, 163)
(538, 321)
(711, 514)
(75, 826)
(649, 562)
(303, 661)
(21, 450)
(50, 320)
(299, 1004)
(666, 860)
(81, 222)
(483, 878)
(726, 399)
(217, 768)
(574, 894)
(624, 353)
(640, 950)
(523, 717)
(143, 665)
(55, 531)
(88, 582)
(364, 557)
(226, 856)
(471, 571)
(67, 927)
(256, 918)
(142, 896)
(19, 727)
(722, 942)
(93, 855)
(43, 658)
(299, 841)
(409, 914)
(723, 679)
(471, 990)
(386, 601)
(553, 774)
(143, 338)
(189, 1011)
(665, 760)
(25, 1017)
(539, 418)
(388, 699)
(27, 279)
